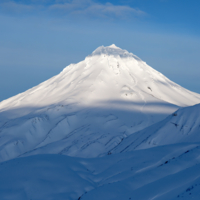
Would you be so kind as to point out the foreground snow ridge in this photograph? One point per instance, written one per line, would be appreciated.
(110, 103)
(161, 173)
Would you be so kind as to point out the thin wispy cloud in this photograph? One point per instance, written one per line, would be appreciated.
(73, 8)
(13, 7)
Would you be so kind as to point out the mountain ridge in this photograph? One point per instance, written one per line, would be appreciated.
(90, 107)
(107, 127)
(183, 126)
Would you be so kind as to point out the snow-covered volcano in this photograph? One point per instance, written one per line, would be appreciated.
(108, 74)
(89, 107)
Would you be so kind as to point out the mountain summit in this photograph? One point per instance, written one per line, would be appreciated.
(90, 107)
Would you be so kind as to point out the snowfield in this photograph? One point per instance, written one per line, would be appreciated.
(183, 126)
(108, 127)
(160, 173)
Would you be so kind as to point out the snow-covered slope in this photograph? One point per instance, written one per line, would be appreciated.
(183, 126)
(89, 107)
(108, 74)
(161, 173)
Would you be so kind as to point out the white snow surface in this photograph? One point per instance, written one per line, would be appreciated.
(136, 131)
(89, 108)
(183, 126)
(161, 173)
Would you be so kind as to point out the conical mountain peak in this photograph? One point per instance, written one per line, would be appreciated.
(113, 50)
(113, 46)
(109, 73)
(90, 107)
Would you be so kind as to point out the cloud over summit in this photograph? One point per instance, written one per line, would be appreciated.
(72, 8)
(91, 8)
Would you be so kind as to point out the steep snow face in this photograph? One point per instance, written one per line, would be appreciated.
(183, 126)
(90, 107)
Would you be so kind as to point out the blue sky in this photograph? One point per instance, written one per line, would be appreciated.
(38, 38)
